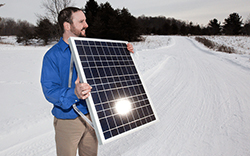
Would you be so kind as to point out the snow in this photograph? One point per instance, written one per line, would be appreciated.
(241, 42)
(201, 98)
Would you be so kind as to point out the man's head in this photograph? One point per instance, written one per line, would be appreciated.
(72, 20)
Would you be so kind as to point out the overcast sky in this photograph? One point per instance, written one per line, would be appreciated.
(196, 11)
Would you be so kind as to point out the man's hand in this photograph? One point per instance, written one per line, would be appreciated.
(82, 90)
(130, 47)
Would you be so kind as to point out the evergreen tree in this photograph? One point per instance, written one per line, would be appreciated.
(107, 23)
(214, 27)
(109, 18)
(165, 30)
(184, 30)
(44, 30)
(128, 26)
(175, 29)
(91, 7)
(233, 24)
(246, 28)
(91, 10)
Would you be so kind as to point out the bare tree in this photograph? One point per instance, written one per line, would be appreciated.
(1, 6)
(53, 7)
(25, 32)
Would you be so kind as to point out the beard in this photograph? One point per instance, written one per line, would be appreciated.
(77, 32)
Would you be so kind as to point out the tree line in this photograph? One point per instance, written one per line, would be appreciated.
(108, 23)
(25, 31)
(233, 25)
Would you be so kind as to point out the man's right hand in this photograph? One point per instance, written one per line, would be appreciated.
(82, 90)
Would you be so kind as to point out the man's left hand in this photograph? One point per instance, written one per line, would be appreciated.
(130, 47)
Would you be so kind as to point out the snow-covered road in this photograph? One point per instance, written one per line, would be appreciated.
(202, 101)
(201, 98)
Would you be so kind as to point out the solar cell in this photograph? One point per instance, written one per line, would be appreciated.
(119, 103)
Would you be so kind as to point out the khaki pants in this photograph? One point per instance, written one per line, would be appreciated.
(73, 134)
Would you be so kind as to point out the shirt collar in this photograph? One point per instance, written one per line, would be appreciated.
(63, 44)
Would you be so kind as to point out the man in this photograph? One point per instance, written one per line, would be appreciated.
(71, 131)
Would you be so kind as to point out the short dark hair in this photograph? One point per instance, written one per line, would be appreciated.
(65, 15)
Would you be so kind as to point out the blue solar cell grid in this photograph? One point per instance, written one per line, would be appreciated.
(110, 70)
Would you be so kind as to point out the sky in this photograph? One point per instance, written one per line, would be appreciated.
(196, 11)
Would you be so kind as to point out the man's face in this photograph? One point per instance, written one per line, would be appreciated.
(79, 24)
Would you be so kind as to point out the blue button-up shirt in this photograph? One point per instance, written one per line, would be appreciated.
(54, 81)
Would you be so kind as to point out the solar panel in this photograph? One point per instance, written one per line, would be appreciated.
(118, 103)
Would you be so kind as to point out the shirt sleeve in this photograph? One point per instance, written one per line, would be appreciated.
(53, 88)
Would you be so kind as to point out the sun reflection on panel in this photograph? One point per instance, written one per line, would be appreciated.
(123, 106)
